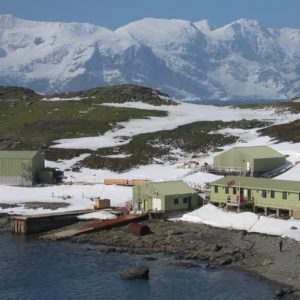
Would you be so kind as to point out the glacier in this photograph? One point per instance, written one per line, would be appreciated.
(187, 60)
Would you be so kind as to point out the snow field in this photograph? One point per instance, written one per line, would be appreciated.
(79, 196)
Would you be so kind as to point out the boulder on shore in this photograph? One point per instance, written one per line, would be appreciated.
(136, 273)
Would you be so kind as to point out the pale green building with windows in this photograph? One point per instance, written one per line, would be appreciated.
(165, 197)
(257, 192)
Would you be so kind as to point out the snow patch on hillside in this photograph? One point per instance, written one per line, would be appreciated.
(184, 113)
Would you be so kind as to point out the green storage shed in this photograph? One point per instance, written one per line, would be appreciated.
(259, 192)
(20, 167)
(252, 161)
(165, 197)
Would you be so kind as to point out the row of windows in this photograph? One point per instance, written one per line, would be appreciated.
(185, 200)
(263, 192)
(272, 194)
(226, 190)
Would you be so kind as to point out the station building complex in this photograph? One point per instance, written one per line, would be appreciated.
(263, 193)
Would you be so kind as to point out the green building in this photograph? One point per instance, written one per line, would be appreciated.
(252, 161)
(260, 193)
(20, 167)
(165, 196)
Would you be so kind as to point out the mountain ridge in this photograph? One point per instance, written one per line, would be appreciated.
(188, 60)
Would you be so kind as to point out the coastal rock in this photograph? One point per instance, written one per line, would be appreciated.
(150, 258)
(279, 293)
(108, 250)
(186, 264)
(216, 247)
(283, 292)
(141, 272)
(225, 262)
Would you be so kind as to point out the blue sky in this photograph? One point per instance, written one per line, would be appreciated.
(115, 13)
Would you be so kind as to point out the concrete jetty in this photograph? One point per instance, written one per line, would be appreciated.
(44, 222)
(94, 226)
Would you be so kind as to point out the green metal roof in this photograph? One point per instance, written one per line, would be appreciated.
(259, 183)
(259, 151)
(17, 154)
(173, 187)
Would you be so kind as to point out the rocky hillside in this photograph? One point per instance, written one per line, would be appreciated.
(32, 121)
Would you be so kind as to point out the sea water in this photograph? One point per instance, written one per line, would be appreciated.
(35, 269)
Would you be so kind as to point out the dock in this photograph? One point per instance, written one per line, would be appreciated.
(94, 227)
(44, 222)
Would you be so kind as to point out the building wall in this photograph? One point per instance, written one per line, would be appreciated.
(268, 164)
(15, 180)
(145, 193)
(14, 167)
(20, 171)
(38, 163)
(291, 202)
(221, 196)
(237, 159)
(16, 172)
(256, 197)
(182, 205)
(233, 159)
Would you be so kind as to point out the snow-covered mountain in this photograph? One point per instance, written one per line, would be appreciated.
(241, 60)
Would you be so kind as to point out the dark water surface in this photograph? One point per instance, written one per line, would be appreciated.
(34, 269)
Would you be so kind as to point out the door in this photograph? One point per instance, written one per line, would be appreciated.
(156, 204)
(247, 166)
(189, 202)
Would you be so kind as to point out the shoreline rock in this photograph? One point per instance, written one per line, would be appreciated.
(256, 254)
(141, 272)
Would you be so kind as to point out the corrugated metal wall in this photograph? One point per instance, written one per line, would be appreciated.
(233, 159)
(268, 164)
(15, 180)
(19, 171)
(38, 163)
(15, 167)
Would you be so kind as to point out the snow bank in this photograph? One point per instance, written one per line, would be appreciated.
(101, 215)
(213, 216)
(289, 228)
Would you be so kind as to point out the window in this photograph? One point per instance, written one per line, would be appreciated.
(234, 191)
(284, 195)
(216, 189)
(176, 201)
(272, 194)
(226, 190)
(184, 200)
(264, 193)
